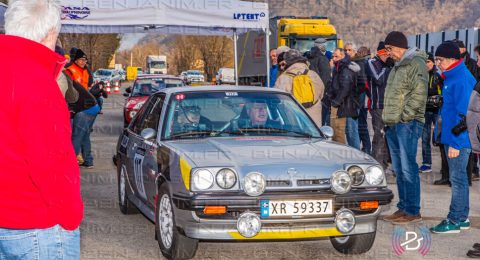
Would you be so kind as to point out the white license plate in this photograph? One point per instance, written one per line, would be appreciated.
(294, 208)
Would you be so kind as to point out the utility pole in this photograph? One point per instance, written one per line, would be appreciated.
(131, 58)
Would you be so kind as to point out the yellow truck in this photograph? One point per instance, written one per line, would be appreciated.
(295, 32)
(132, 72)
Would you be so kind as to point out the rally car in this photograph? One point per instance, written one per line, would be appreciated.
(244, 163)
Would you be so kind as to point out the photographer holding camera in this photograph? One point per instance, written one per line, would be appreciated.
(458, 85)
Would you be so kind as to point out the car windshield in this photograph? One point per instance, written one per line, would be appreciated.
(194, 73)
(243, 113)
(158, 65)
(305, 44)
(103, 73)
(146, 87)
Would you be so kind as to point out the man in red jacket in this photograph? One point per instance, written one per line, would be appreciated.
(40, 206)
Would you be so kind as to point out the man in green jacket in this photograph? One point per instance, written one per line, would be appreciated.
(404, 117)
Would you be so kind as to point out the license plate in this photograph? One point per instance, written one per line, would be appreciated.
(295, 208)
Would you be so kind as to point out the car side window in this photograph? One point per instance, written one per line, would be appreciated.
(153, 116)
(139, 118)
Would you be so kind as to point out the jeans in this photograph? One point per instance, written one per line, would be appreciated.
(82, 123)
(430, 118)
(50, 243)
(459, 205)
(100, 102)
(379, 143)
(402, 141)
(351, 131)
(363, 127)
(325, 113)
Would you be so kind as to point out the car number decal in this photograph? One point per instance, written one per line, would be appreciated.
(124, 141)
(231, 94)
(137, 168)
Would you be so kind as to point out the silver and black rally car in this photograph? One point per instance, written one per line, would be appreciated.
(244, 163)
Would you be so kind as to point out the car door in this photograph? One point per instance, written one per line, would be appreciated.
(151, 161)
(136, 152)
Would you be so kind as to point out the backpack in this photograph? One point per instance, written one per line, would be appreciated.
(303, 90)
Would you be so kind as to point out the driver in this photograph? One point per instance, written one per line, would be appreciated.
(257, 116)
(146, 89)
(189, 119)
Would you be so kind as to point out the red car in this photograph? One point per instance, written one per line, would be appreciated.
(143, 87)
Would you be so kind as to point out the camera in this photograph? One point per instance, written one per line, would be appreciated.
(460, 127)
(434, 101)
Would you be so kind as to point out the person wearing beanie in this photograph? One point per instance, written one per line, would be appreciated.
(435, 84)
(458, 85)
(296, 64)
(78, 69)
(404, 116)
(377, 71)
(281, 50)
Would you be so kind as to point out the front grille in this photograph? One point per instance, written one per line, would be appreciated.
(313, 182)
(278, 183)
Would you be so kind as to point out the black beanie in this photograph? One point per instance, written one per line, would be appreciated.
(381, 46)
(79, 54)
(448, 50)
(397, 39)
(459, 43)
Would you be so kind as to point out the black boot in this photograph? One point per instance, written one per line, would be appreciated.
(442, 181)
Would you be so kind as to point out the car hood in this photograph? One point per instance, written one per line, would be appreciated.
(275, 157)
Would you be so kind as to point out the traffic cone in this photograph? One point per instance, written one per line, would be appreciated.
(116, 89)
(109, 91)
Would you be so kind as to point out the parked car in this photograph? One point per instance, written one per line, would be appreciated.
(192, 76)
(144, 86)
(244, 163)
(225, 76)
(107, 75)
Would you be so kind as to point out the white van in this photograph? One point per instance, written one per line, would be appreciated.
(225, 76)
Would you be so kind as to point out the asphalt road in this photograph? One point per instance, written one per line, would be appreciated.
(107, 234)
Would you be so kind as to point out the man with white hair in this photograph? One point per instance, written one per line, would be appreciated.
(41, 206)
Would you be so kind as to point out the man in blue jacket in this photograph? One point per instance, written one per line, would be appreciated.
(458, 85)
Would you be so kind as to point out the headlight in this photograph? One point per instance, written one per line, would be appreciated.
(345, 221)
(132, 114)
(203, 179)
(139, 105)
(249, 224)
(341, 182)
(357, 174)
(226, 178)
(254, 184)
(374, 175)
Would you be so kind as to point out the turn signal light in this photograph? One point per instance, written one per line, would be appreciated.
(369, 205)
(210, 210)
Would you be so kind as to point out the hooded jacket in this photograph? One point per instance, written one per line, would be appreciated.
(377, 73)
(285, 82)
(319, 64)
(406, 92)
(457, 88)
(471, 65)
(473, 119)
(39, 178)
(343, 92)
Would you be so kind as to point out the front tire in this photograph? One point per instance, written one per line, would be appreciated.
(354, 244)
(172, 244)
(126, 207)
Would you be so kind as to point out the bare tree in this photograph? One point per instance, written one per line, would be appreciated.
(216, 52)
(184, 52)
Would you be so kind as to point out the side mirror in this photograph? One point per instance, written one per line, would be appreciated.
(128, 90)
(327, 131)
(148, 133)
(126, 95)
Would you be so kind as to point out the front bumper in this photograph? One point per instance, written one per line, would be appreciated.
(193, 224)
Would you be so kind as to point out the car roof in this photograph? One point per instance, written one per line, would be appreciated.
(157, 76)
(230, 88)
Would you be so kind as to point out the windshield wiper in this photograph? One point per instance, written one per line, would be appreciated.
(183, 134)
(273, 130)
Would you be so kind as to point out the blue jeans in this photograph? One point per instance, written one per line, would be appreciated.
(100, 102)
(459, 205)
(351, 132)
(82, 123)
(29, 244)
(402, 139)
(363, 127)
(326, 113)
(430, 118)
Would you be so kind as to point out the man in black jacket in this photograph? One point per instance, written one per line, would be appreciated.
(377, 71)
(345, 102)
(469, 62)
(98, 91)
(319, 63)
(361, 57)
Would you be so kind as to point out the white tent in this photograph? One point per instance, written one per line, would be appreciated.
(186, 17)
